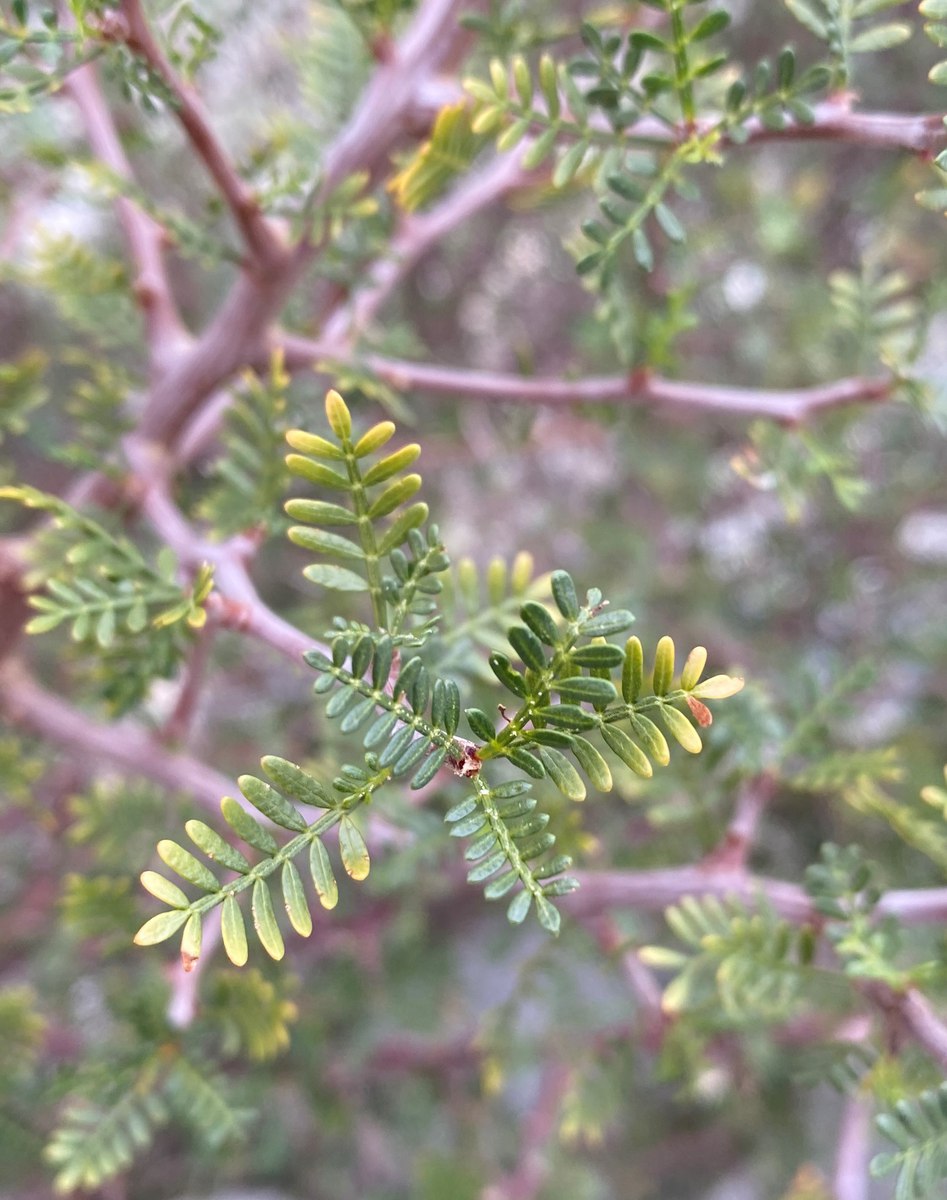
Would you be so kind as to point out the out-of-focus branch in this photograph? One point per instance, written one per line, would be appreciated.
(538, 1129)
(417, 234)
(259, 234)
(235, 602)
(145, 237)
(853, 1150)
(641, 388)
(834, 120)
(25, 703)
(737, 841)
(414, 239)
(654, 890)
(236, 335)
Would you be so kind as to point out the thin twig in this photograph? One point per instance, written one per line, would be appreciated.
(260, 235)
(165, 330)
(641, 388)
(236, 335)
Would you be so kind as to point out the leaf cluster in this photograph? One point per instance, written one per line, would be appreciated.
(850, 27)
(113, 600)
(751, 966)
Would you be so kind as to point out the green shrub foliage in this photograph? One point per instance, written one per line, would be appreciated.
(657, 287)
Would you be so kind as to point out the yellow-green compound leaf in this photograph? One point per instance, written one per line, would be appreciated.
(163, 889)
(191, 942)
(374, 438)
(317, 472)
(563, 774)
(271, 804)
(411, 518)
(160, 928)
(234, 932)
(632, 755)
(592, 764)
(295, 782)
(391, 465)
(653, 740)
(312, 443)
(323, 542)
(693, 668)
(338, 415)
(353, 849)
(663, 666)
(338, 579)
(394, 495)
(322, 877)
(215, 847)
(295, 899)
(183, 863)
(719, 687)
(319, 512)
(632, 676)
(264, 921)
(247, 828)
(681, 729)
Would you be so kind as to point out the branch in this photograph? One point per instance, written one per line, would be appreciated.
(917, 133)
(122, 743)
(259, 234)
(538, 1129)
(853, 1149)
(640, 388)
(145, 237)
(235, 602)
(236, 336)
(418, 233)
(737, 841)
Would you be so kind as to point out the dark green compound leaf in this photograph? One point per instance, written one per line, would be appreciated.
(528, 646)
(564, 594)
(604, 623)
(607, 657)
(511, 679)
(540, 620)
(480, 724)
(583, 688)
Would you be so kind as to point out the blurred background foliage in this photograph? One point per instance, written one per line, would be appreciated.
(400, 1054)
